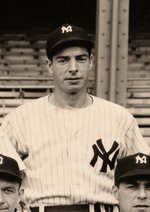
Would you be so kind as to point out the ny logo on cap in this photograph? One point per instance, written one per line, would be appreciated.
(1, 160)
(66, 29)
(141, 159)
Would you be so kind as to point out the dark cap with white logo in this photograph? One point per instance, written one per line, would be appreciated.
(133, 165)
(66, 35)
(9, 167)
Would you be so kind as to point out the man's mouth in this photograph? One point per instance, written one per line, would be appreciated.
(1, 209)
(141, 206)
(73, 78)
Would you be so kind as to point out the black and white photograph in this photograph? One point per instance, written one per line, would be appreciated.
(75, 106)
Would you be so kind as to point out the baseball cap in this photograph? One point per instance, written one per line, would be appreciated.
(133, 165)
(65, 35)
(10, 167)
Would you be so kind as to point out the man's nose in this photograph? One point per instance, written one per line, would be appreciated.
(142, 193)
(73, 67)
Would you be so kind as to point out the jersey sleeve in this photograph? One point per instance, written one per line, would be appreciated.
(7, 148)
(134, 141)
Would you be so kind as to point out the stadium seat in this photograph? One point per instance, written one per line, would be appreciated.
(138, 82)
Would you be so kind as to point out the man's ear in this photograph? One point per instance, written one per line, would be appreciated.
(49, 66)
(21, 192)
(91, 62)
(115, 191)
(22, 204)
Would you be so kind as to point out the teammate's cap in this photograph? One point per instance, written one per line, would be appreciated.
(65, 35)
(10, 167)
(133, 165)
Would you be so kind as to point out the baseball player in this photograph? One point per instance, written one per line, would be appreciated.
(132, 183)
(10, 184)
(70, 140)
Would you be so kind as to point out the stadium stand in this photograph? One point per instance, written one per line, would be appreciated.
(22, 73)
(138, 89)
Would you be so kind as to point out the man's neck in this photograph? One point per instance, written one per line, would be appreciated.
(75, 100)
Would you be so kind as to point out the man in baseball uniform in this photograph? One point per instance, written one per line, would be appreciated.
(70, 140)
(132, 183)
(10, 184)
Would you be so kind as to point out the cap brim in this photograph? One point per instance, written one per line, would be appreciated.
(137, 172)
(71, 41)
(9, 173)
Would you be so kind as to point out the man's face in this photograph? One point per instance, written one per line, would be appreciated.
(71, 68)
(9, 195)
(134, 195)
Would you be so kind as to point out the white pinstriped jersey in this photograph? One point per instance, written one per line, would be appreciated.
(7, 148)
(72, 152)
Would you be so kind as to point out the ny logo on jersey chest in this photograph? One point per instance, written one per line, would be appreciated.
(99, 151)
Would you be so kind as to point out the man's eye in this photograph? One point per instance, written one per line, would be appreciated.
(148, 186)
(82, 59)
(131, 186)
(9, 191)
(62, 61)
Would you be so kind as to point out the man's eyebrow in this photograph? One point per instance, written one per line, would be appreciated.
(82, 55)
(64, 57)
(67, 57)
(132, 182)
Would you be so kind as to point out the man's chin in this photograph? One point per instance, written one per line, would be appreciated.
(74, 90)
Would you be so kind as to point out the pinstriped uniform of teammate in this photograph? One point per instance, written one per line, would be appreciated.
(70, 141)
